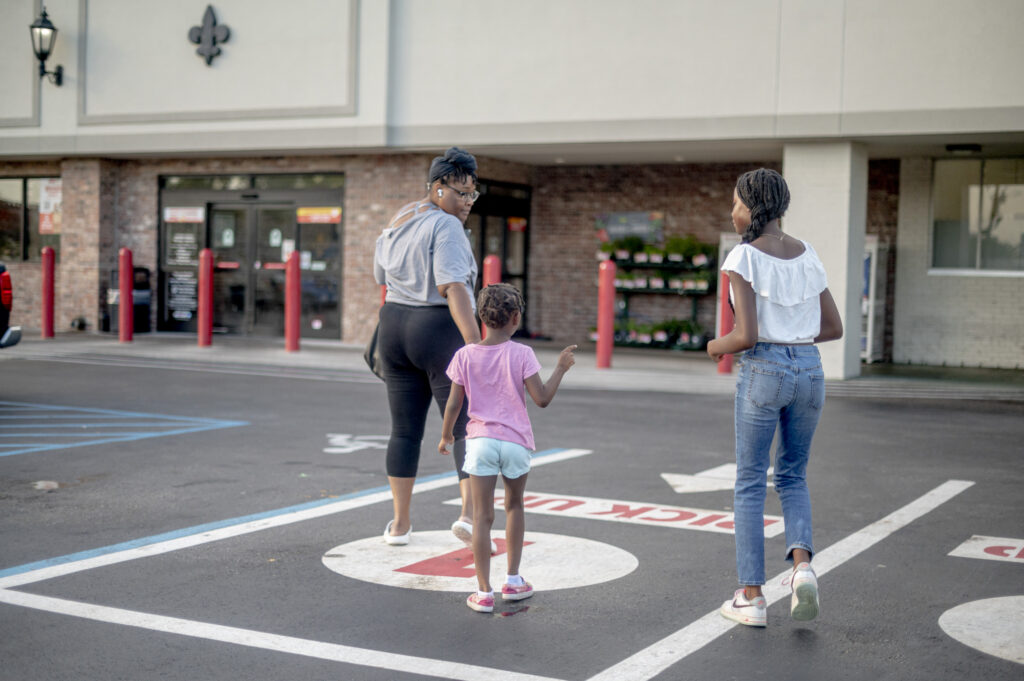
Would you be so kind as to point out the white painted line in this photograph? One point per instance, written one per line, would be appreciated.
(633, 512)
(263, 523)
(334, 652)
(991, 548)
(658, 657)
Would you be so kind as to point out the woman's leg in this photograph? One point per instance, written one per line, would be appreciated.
(797, 425)
(409, 397)
(515, 520)
(482, 489)
(761, 390)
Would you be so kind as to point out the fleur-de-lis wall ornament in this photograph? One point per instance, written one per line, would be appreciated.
(208, 35)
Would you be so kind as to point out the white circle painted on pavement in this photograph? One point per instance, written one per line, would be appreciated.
(437, 561)
(993, 625)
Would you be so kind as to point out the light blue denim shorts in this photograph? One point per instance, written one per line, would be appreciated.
(487, 456)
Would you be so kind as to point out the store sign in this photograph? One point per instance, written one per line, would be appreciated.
(197, 214)
(50, 203)
(318, 215)
(517, 224)
(615, 226)
(182, 295)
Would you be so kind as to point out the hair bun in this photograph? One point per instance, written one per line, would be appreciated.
(455, 161)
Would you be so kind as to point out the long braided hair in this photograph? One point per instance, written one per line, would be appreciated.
(765, 193)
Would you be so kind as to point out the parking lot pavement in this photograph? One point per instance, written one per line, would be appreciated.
(253, 548)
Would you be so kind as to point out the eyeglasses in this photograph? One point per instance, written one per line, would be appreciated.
(465, 196)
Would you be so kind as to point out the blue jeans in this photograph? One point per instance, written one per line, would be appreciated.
(779, 387)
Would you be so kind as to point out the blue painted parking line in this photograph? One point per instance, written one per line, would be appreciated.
(538, 459)
(42, 427)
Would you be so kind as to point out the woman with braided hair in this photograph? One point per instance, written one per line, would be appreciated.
(783, 307)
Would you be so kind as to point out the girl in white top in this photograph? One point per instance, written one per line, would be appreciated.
(782, 307)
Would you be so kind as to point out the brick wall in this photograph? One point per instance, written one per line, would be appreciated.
(695, 198)
(961, 320)
(109, 205)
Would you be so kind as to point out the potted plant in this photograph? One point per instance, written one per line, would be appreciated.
(606, 250)
(654, 253)
(633, 245)
(675, 249)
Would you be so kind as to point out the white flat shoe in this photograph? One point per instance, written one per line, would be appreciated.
(396, 539)
(464, 531)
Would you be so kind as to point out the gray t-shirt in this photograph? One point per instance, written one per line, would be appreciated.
(427, 250)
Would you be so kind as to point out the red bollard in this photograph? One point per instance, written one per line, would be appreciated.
(292, 302)
(492, 275)
(492, 270)
(47, 312)
(204, 314)
(725, 364)
(383, 294)
(605, 314)
(126, 300)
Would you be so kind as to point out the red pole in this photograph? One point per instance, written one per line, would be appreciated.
(492, 275)
(205, 312)
(292, 302)
(725, 364)
(605, 314)
(125, 276)
(47, 321)
(383, 294)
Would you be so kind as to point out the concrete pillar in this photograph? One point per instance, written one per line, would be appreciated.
(829, 187)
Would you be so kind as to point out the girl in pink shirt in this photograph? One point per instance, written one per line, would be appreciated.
(495, 374)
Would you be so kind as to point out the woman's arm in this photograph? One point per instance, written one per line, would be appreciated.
(461, 307)
(744, 332)
(831, 322)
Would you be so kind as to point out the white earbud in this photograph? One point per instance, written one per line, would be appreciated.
(440, 193)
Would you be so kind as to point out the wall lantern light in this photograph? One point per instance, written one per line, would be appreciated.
(44, 35)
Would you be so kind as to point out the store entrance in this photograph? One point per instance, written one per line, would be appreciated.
(251, 235)
(250, 246)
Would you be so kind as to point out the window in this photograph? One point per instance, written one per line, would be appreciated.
(30, 217)
(978, 213)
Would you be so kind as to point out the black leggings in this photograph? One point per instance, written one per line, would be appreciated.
(416, 344)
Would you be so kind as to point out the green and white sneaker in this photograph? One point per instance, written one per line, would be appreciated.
(804, 604)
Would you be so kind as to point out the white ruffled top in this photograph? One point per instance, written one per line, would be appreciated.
(786, 292)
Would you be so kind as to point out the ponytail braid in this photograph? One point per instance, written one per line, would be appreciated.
(765, 193)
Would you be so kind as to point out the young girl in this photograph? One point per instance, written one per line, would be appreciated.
(499, 438)
(783, 307)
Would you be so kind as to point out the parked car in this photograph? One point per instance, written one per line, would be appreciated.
(9, 335)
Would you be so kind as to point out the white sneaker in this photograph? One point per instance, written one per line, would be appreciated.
(804, 602)
(753, 613)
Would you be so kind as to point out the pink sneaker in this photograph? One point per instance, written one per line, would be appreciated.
(480, 603)
(516, 593)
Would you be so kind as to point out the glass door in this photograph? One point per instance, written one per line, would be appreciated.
(274, 242)
(232, 268)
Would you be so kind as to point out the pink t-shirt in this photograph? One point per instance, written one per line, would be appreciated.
(494, 378)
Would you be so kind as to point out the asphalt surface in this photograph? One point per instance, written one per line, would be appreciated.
(168, 512)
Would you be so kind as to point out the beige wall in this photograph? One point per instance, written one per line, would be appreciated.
(530, 72)
(969, 319)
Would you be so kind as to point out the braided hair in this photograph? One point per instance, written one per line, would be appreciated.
(457, 164)
(497, 303)
(765, 193)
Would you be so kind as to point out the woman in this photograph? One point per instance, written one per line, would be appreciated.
(427, 264)
(783, 308)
